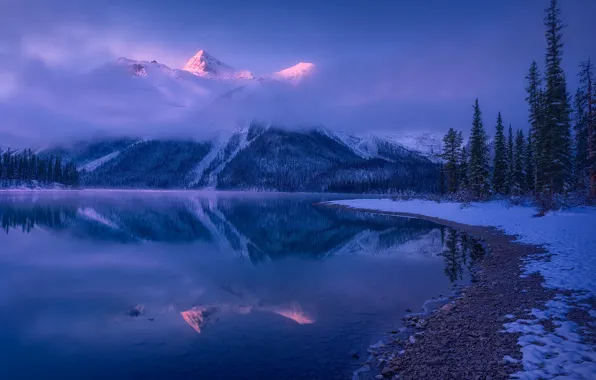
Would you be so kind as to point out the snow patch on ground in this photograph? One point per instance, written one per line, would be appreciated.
(558, 354)
(570, 239)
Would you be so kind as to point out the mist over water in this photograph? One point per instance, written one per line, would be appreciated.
(238, 286)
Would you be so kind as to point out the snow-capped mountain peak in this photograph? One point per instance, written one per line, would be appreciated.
(203, 64)
(296, 72)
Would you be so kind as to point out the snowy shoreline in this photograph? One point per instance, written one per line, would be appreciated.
(555, 330)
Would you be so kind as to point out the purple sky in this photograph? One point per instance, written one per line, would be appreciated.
(427, 59)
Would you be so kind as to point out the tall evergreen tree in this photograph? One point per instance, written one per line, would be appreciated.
(463, 169)
(581, 162)
(519, 172)
(585, 128)
(555, 156)
(451, 154)
(58, 170)
(509, 175)
(442, 179)
(530, 166)
(478, 171)
(500, 165)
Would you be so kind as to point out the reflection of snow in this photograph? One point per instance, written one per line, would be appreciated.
(417, 246)
(91, 214)
(295, 315)
(217, 224)
(198, 316)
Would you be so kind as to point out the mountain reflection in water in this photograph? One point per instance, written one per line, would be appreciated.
(198, 316)
(270, 283)
(259, 229)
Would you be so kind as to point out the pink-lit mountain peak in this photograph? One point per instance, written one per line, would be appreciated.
(203, 64)
(297, 71)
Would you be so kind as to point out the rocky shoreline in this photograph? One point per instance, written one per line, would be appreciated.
(465, 338)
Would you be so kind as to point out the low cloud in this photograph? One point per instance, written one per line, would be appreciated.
(48, 99)
(79, 47)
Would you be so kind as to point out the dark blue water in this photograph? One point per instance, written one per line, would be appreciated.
(189, 285)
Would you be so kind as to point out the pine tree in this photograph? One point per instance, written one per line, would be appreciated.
(581, 162)
(478, 172)
(529, 164)
(58, 170)
(500, 160)
(555, 156)
(509, 174)
(442, 180)
(463, 169)
(451, 154)
(519, 173)
(585, 129)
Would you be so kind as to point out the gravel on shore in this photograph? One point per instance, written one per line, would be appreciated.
(467, 339)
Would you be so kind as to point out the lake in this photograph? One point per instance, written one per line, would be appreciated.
(162, 285)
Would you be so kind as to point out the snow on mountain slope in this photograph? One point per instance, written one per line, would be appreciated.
(205, 65)
(179, 87)
(296, 72)
(429, 144)
(225, 147)
(138, 96)
(379, 146)
(357, 144)
(91, 166)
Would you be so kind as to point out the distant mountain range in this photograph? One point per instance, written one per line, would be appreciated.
(241, 131)
(262, 158)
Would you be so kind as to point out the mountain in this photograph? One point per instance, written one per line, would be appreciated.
(296, 72)
(203, 64)
(209, 125)
(260, 157)
(147, 98)
(428, 144)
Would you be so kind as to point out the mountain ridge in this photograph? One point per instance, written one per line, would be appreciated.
(260, 157)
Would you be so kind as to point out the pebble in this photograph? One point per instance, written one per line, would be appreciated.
(462, 339)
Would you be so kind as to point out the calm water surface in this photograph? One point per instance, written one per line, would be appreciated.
(207, 286)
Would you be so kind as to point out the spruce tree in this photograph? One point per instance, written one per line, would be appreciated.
(509, 174)
(451, 154)
(534, 99)
(585, 127)
(581, 162)
(58, 170)
(500, 160)
(555, 156)
(463, 169)
(519, 173)
(541, 148)
(442, 180)
(478, 171)
(529, 164)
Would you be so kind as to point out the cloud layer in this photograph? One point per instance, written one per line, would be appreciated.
(394, 68)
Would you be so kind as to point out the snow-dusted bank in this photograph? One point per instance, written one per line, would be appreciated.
(566, 349)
